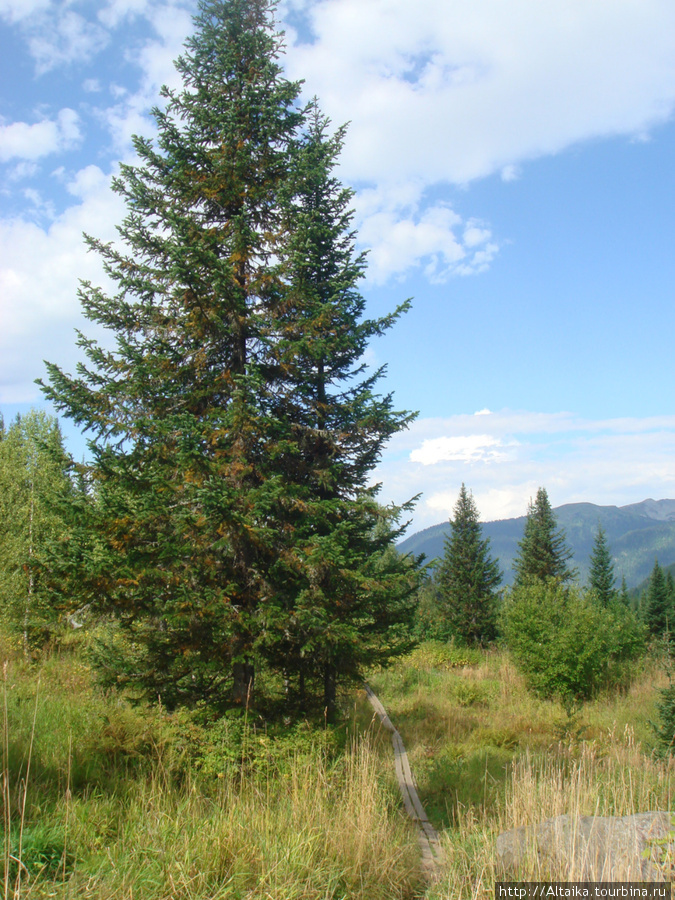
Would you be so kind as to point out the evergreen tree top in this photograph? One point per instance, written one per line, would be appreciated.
(468, 577)
(543, 551)
(602, 577)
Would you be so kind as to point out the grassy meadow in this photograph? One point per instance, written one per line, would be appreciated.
(489, 756)
(105, 800)
(102, 799)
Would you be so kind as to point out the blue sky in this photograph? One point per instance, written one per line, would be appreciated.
(513, 165)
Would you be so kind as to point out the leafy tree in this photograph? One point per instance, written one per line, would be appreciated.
(543, 553)
(468, 577)
(34, 483)
(230, 513)
(658, 604)
(601, 577)
(567, 645)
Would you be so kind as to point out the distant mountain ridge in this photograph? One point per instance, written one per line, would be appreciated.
(637, 534)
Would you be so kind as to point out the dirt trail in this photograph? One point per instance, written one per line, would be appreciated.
(432, 854)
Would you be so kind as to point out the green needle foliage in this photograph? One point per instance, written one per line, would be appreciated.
(601, 577)
(543, 553)
(659, 607)
(468, 577)
(232, 439)
(346, 595)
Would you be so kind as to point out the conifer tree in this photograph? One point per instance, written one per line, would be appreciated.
(226, 477)
(468, 577)
(624, 597)
(543, 552)
(601, 577)
(670, 587)
(658, 606)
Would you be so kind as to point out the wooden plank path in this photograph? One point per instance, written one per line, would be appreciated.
(432, 854)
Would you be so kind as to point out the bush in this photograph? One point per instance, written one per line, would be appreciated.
(566, 644)
(441, 655)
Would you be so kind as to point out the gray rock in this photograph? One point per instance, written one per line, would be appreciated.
(591, 848)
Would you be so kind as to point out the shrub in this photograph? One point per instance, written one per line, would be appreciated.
(566, 644)
(440, 655)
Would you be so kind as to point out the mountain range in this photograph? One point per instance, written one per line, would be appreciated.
(637, 534)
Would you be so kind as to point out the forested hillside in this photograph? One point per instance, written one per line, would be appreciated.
(636, 534)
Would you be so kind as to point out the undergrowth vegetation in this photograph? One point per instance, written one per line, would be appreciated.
(489, 755)
(107, 800)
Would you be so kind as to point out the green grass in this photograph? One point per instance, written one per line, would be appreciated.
(134, 802)
(489, 756)
(130, 802)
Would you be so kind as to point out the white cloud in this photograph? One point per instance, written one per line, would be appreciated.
(19, 140)
(63, 37)
(444, 92)
(451, 91)
(510, 173)
(505, 456)
(155, 58)
(16, 10)
(463, 448)
(22, 170)
(117, 11)
(40, 268)
(401, 233)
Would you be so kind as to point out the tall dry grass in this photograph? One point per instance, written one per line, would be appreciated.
(113, 826)
(322, 831)
(590, 779)
(601, 768)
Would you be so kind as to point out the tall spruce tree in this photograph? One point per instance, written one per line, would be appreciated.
(224, 481)
(602, 578)
(468, 577)
(659, 612)
(542, 551)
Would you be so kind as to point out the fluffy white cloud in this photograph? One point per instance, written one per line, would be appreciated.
(401, 234)
(16, 10)
(460, 448)
(39, 273)
(62, 36)
(130, 114)
(445, 90)
(19, 140)
(116, 11)
(503, 457)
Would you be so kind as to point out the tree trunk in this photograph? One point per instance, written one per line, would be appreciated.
(329, 683)
(243, 674)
